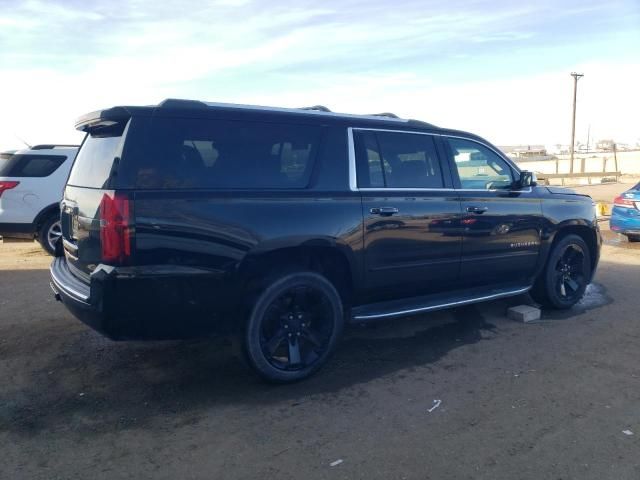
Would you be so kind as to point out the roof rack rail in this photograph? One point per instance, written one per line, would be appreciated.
(420, 123)
(385, 114)
(49, 146)
(178, 102)
(318, 108)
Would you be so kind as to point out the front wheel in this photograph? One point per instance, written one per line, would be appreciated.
(49, 233)
(566, 275)
(633, 238)
(293, 327)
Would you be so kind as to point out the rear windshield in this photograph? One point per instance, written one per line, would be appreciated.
(206, 153)
(96, 157)
(29, 165)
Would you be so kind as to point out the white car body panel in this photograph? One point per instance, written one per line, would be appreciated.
(23, 203)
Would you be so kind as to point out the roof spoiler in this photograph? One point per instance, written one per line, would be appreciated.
(102, 118)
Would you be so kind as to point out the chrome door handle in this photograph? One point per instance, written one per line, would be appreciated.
(477, 210)
(384, 210)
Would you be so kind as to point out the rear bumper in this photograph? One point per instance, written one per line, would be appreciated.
(17, 230)
(146, 305)
(624, 223)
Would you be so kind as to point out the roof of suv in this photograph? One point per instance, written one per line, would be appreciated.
(196, 107)
(48, 149)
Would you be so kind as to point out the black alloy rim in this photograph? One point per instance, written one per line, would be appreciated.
(296, 328)
(570, 273)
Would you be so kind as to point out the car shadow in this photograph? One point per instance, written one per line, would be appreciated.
(62, 375)
(65, 375)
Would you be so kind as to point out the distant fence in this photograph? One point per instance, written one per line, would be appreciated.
(585, 166)
(545, 177)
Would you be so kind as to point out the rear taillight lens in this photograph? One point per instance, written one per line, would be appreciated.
(624, 202)
(116, 228)
(7, 185)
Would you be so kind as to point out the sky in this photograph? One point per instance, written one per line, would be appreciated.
(499, 69)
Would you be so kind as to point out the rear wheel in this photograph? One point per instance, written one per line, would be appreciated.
(49, 233)
(566, 275)
(293, 327)
(633, 238)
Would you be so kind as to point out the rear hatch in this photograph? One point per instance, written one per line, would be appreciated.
(95, 216)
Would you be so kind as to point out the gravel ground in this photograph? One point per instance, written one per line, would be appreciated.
(512, 401)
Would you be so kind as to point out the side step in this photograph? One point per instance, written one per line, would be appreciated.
(429, 303)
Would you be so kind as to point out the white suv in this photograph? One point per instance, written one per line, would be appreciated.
(31, 185)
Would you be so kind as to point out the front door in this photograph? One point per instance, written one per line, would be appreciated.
(412, 240)
(501, 226)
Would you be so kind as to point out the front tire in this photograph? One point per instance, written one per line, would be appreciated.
(633, 238)
(566, 276)
(49, 233)
(293, 327)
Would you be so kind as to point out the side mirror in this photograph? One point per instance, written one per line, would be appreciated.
(527, 179)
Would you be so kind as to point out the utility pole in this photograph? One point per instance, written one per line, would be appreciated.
(576, 77)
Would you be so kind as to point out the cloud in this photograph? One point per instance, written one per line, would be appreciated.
(493, 67)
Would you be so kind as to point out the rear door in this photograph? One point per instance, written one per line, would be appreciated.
(411, 215)
(501, 227)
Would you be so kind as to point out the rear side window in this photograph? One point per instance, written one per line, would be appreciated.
(206, 153)
(28, 165)
(397, 160)
(97, 157)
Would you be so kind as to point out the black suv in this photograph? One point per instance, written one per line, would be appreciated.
(190, 218)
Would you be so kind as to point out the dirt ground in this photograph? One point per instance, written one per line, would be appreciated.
(548, 400)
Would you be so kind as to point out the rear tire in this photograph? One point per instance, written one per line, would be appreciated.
(49, 233)
(565, 278)
(633, 238)
(293, 327)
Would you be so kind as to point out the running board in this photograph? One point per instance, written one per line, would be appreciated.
(416, 305)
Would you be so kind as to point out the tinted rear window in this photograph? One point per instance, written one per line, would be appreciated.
(28, 165)
(95, 160)
(205, 153)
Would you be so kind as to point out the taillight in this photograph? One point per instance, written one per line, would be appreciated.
(7, 185)
(116, 228)
(623, 202)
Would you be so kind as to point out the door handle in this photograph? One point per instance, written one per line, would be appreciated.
(477, 210)
(385, 211)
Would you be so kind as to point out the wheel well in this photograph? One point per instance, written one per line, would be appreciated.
(584, 232)
(327, 261)
(44, 214)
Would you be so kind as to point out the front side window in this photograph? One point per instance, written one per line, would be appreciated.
(397, 160)
(30, 165)
(479, 167)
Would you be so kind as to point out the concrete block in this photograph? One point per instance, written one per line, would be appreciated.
(524, 313)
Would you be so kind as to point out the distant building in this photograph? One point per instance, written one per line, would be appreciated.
(557, 149)
(525, 151)
(605, 145)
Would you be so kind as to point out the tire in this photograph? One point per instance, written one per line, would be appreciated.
(633, 238)
(566, 275)
(49, 233)
(293, 327)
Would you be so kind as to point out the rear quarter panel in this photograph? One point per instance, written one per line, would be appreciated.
(217, 230)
